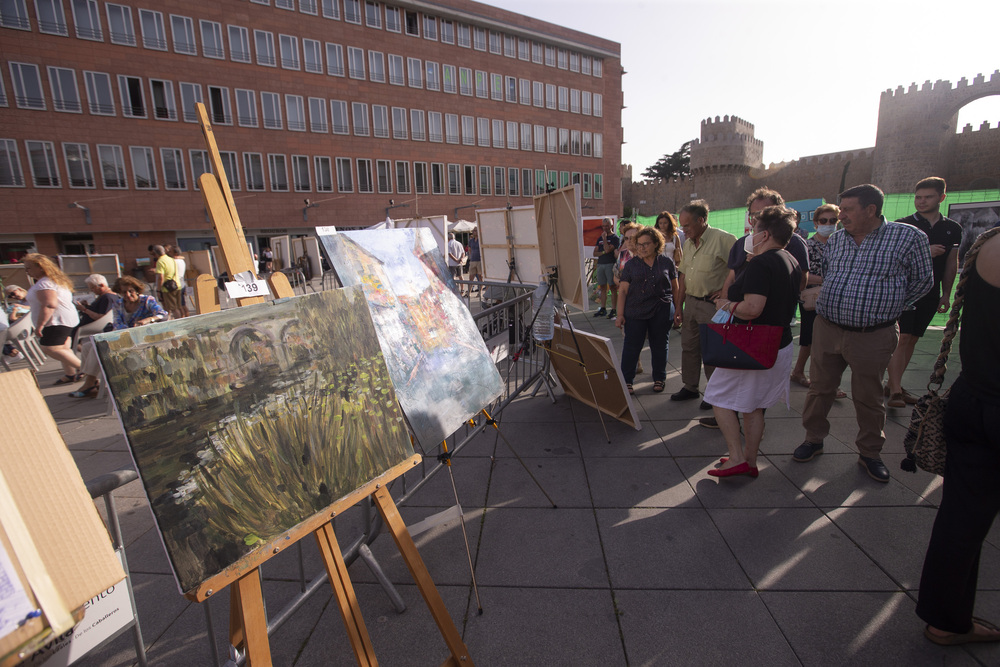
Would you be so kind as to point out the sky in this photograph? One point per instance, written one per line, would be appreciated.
(807, 73)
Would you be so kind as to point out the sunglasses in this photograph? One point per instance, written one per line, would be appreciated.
(826, 221)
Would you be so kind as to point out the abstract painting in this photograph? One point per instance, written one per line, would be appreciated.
(441, 370)
(246, 422)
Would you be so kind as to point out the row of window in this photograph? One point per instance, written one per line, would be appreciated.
(29, 91)
(317, 173)
(294, 112)
(121, 28)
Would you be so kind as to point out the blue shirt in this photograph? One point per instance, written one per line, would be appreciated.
(148, 307)
(648, 286)
(876, 281)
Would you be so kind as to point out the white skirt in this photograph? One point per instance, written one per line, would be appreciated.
(746, 391)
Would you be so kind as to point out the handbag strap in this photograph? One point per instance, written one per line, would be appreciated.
(951, 329)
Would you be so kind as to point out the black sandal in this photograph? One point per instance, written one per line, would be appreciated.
(66, 379)
(658, 386)
(631, 392)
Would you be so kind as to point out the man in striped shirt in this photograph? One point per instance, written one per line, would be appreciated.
(873, 270)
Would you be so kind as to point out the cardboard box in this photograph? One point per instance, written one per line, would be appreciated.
(58, 547)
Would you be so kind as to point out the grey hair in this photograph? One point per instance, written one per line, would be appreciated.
(95, 279)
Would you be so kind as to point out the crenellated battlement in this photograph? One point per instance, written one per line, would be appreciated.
(944, 87)
(725, 125)
(985, 125)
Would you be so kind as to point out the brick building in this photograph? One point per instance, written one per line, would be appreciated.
(345, 103)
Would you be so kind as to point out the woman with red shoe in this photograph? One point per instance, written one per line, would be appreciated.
(766, 292)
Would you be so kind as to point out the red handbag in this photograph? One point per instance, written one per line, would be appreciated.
(751, 347)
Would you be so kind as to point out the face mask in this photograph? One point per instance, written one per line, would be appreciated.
(748, 244)
(825, 230)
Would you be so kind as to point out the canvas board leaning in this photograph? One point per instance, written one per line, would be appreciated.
(246, 422)
(600, 377)
(440, 367)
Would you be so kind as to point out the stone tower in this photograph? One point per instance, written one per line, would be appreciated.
(916, 130)
(722, 158)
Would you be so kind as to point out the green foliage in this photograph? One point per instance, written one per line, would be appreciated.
(675, 164)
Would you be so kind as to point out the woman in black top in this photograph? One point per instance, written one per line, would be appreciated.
(647, 292)
(971, 498)
(767, 292)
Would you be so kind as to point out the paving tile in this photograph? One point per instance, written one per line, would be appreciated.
(554, 548)
(700, 628)
(410, 638)
(624, 482)
(625, 440)
(797, 549)
(667, 549)
(531, 438)
(770, 489)
(835, 480)
(540, 482)
(472, 479)
(545, 626)
(538, 408)
(857, 628)
(442, 548)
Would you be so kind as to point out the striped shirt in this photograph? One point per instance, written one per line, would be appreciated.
(876, 281)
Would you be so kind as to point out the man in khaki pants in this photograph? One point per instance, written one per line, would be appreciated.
(873, 270)
(702, 271)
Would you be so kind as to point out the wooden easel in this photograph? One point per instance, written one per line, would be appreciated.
(247, 616)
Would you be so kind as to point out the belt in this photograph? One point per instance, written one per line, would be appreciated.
(868, 329)
(706, 299)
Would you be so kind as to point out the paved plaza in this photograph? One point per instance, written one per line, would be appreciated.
(646, 561)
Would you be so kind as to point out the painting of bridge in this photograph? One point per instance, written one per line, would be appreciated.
(246, 422)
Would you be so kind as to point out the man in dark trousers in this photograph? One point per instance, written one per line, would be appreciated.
(944, 236)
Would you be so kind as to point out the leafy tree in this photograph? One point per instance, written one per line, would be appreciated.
(670, 166)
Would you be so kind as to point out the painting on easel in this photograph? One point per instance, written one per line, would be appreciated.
(440, 367)
(246, 422)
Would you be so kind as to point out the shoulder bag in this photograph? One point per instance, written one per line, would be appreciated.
(752, 347)
(925, 442)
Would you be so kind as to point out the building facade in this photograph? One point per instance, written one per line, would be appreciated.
(326, 112)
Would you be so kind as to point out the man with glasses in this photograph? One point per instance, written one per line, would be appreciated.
(702, 272)
(944, 236)
(873, 270)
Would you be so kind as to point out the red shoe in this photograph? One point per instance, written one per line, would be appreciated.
(741, 469)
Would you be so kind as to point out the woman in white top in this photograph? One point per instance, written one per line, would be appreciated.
(53, 313)
(667, 225)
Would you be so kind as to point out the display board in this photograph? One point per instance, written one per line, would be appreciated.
(442, 372)
(245, 422)
(79, 267)
(560, 242)
(598, 381)
(507, 234)
(437, 224)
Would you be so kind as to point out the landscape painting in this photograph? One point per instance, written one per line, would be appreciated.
(440, 367)
(246, 422)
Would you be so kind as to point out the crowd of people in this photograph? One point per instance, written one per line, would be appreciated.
(866, 290)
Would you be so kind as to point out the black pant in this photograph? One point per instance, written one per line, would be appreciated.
(970, 503)
(657, 329)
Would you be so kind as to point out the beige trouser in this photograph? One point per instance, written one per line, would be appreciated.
(867, 354)
(695, 312)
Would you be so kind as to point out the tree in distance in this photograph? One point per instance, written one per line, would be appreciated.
(672, 165)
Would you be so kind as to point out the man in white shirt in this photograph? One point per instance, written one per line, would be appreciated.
(456, 256)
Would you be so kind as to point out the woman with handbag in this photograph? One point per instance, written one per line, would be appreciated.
(647, 293)
(825, 220)
(971, 496)
(766, 293)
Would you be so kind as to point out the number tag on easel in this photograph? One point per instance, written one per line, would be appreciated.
(246, 285)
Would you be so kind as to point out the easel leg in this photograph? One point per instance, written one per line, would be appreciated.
(492, 422)
(390, 514)
(247, 620)
(343, 590)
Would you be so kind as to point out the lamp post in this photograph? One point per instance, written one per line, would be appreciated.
(86, 211)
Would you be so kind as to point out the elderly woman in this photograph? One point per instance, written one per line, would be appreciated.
(17, 302)
(766, 292)
(52, 313)
(825, 220)
(647, 292)
(91, 311)
(134, 309)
